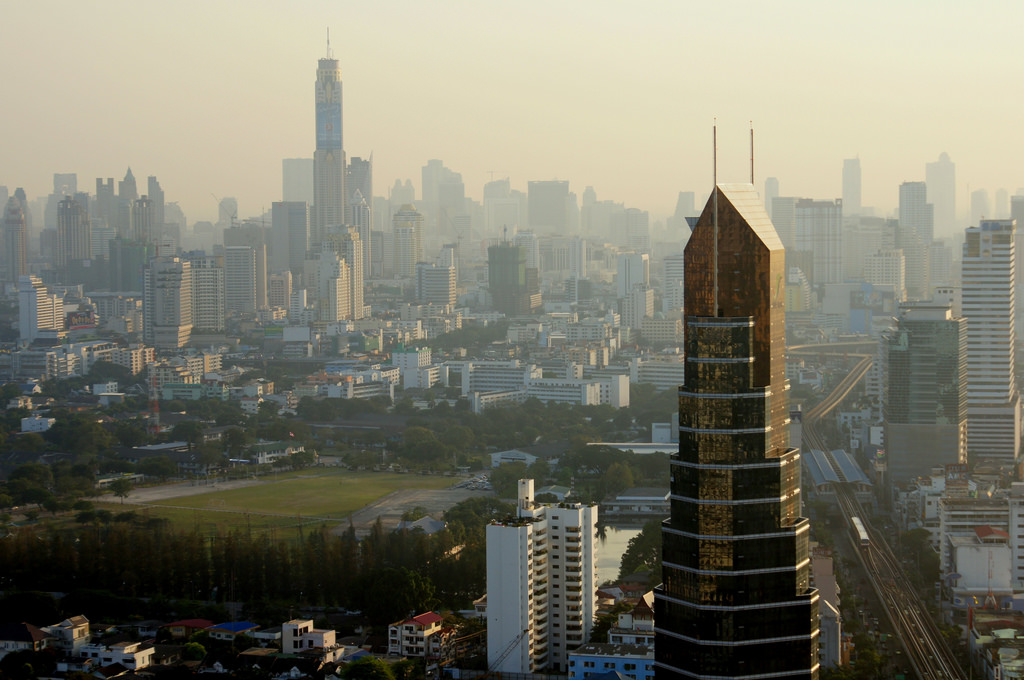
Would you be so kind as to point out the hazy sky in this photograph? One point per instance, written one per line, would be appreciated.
(210, 96)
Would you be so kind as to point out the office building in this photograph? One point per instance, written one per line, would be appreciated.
(329, 157)
(15, 255)
(735, 599)
(208, 305)
(940, 178)
(167, 303)
(256, 235)
(240, 280)
(926, 407)
(541, 589)
(851, 187)
(435, 284)
(40, 312)
(637, 305)
(297, 180)
(988, 290)
(407, 226)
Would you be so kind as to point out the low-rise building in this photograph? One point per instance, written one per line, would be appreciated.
(422, 636)
(635, 662)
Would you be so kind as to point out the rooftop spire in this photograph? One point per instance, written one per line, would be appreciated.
(329, 42)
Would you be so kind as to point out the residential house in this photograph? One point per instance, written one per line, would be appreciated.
(420, 636)
(72, 634)
(18, 637)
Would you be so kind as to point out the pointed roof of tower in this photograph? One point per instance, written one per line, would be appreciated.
(128, 176)
(747, 201)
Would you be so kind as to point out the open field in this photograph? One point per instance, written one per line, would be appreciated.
(280, 507)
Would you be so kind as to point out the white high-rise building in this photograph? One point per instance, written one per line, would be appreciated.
(541, 584)
(407, 250)
(167, 303)
(632, 269)
(40, 313)
(993, 403)
(351, 248)
(329, 157)
(208, 311)
(435, 284)
(887, 268)
(240, 279)
(331, 277)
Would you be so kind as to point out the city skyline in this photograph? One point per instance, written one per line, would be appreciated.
(529, 92)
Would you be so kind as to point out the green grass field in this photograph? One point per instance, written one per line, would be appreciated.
(281, 506)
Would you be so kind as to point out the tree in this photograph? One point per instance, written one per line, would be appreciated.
(193, 651)
(643, 551)
(190, 431)
(121, 487)
(368, 668)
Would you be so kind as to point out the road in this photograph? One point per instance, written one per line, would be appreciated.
(925, 647)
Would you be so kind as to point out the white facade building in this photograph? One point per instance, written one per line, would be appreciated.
(541, 584)
(993, 403)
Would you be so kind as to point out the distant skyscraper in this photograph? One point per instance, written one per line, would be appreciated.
(407, 225)
(167, 303)
(819, 231)
(851, 186)
(329, 157)
(289, 239)
(156, 199)
(358, 186)
(279, 289)
(981, 207)
(15, 255)
(940, 177)
(297, 180)
(771, 192)
(993, 403)
(548, 203)
(916, 228)
(783, 212)
(926, 407)
(735, 599)
(127, 192)
(74, 236)
(106, 202)
(143, 229)
(332, 279)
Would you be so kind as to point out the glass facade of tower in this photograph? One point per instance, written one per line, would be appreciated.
(736, 599)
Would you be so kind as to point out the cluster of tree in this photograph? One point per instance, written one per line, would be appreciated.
(643, 553)
(385, 575)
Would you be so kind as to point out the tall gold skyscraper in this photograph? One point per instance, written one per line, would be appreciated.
(736, 599)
